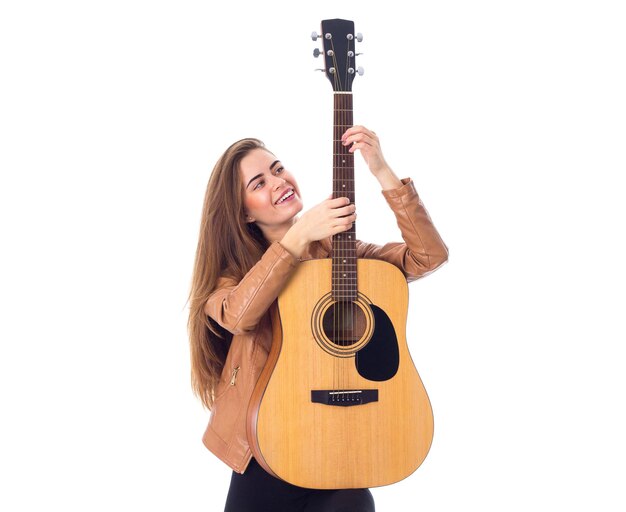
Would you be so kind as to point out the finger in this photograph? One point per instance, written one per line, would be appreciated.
(356, 137)
(360, 141)
(343, 221)
(361, 145)
(345, 210)
(348, 132)
(340, 229)
(339, 202)
(343, 213)
(354, 130)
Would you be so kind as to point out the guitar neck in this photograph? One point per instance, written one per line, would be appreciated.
(344, 275)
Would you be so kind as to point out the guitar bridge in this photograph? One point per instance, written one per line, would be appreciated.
(344, 397)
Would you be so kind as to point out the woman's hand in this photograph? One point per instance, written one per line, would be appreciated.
(366, 141)
(328, 218)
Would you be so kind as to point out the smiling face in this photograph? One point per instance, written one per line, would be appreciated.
(271, 195)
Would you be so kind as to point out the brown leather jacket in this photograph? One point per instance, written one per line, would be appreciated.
(242, 308)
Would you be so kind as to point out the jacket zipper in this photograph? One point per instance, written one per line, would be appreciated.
(234, 375)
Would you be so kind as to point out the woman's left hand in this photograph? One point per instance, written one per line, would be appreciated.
(366, 141)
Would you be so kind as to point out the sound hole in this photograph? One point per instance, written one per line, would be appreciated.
(344, 323)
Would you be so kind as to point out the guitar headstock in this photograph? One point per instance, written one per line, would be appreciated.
(338, 40)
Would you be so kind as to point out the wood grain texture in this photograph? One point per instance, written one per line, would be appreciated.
(328, 447)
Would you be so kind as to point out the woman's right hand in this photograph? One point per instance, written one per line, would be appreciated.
(328, 218)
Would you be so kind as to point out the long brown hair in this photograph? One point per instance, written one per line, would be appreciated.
(227, 246)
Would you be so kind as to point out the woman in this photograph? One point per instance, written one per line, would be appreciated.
(251, 241)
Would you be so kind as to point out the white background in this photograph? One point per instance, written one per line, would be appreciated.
(510, 118)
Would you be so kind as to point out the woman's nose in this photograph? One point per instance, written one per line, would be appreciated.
(278, 181)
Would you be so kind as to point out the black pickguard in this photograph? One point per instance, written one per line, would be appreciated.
(380, 358)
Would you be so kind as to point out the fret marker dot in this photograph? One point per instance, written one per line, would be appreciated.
(344, 261)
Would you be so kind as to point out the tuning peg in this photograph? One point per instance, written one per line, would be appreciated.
(359, 37)
(314, 35)
(360, 71)
(316, 53)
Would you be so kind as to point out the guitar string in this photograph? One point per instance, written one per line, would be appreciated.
(343, 246)
(347, 322)
(347, 309)
(349, 335)
(345, 316)
(347, 329)
(340, 151)
(336, 382)
(340, 255)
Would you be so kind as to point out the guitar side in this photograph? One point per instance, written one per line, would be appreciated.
(317, 440)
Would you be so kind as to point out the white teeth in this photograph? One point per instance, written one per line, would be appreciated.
(288, 194)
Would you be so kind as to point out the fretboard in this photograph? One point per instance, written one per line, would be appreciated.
(344, 281)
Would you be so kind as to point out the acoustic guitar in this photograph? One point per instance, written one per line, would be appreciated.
(339, 403)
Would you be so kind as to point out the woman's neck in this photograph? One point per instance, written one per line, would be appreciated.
(277, 233)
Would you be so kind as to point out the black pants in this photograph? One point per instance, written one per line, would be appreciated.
(258, 491)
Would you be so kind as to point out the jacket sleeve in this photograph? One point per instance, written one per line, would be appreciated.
(423, 251)
(239, 306)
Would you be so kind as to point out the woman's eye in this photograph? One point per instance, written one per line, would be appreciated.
(280, 169)
(258, 184)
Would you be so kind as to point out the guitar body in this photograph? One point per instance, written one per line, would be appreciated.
(348, 412)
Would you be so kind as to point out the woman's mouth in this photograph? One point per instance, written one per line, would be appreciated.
(287, 196)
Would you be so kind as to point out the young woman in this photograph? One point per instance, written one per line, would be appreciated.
(251, 241)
